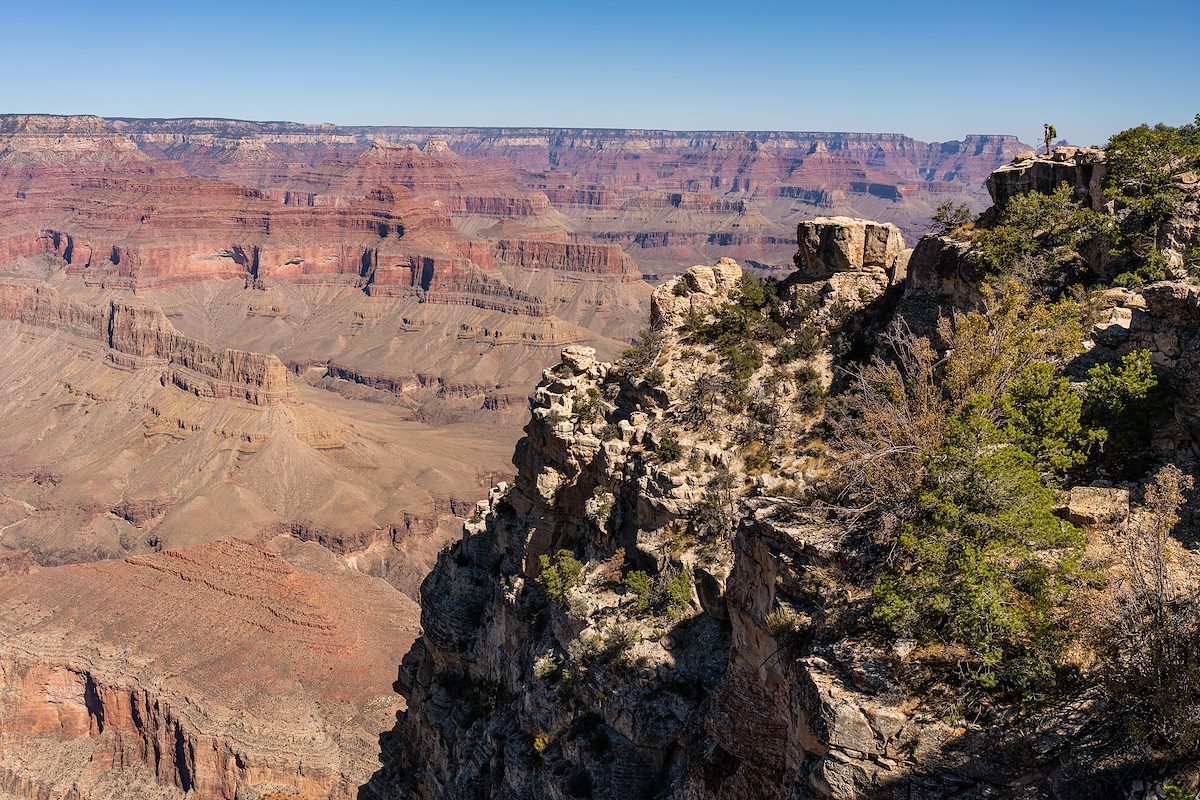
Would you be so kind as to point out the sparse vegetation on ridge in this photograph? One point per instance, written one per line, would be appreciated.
(1142, 165)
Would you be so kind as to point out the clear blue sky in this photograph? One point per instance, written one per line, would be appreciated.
(934, 70)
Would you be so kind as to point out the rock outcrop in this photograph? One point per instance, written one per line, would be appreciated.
(1081, 168)
(647, 611)
(700, 700)
(136, 333)
(829, 245)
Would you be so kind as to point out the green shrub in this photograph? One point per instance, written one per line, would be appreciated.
(1141, 165)
(948, 217)
(559, 575)
(905, 398)
(804, 344)
(661, 594)
(1041, 414)
(1123, 405)
(669, 449)
(1036, 239)
(677, 594)
(587, 407)
(738, 328)
(639, 584)
(680, 289)
(741, 360)
(984, 564)
(1113, 393)
(611, 431)
(1153, 267)
(655, 378)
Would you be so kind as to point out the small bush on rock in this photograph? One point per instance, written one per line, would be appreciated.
(559, 575)
(639, 584)
(663, 594)
(588, 406)
(637, 359)
(948, 217)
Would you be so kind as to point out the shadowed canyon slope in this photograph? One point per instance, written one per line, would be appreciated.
(258, 373)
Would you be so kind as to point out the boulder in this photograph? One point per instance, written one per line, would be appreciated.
(1097, 505)
(705, 289)
(828, 245)
(578, 359)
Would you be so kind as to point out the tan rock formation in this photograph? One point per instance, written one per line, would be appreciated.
(1092, 505)
(832, 245)
(138, 332)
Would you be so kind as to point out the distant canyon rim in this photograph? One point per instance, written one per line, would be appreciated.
(258, 373)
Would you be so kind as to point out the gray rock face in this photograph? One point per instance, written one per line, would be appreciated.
(1181, 233)
(1080, 167)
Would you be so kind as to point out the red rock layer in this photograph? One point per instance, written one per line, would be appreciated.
(459, 186)
(220, 686)
(581, 259)
(156, 231)
(710, 184)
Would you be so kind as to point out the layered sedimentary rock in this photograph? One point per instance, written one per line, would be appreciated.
(605, 261)
(828, 245)
(133, 232)
(332, 343)
(666, 197)
(205, 674)
(489, 188)
(136, 333)
(125, 436)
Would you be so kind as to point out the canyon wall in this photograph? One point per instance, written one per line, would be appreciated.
(256, 373)
(716, 191)
(654, 607)
(216, 687)
(135, 333)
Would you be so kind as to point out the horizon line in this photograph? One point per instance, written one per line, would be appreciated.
(601, 129)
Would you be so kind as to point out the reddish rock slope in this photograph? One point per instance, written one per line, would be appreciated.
(224, 671)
